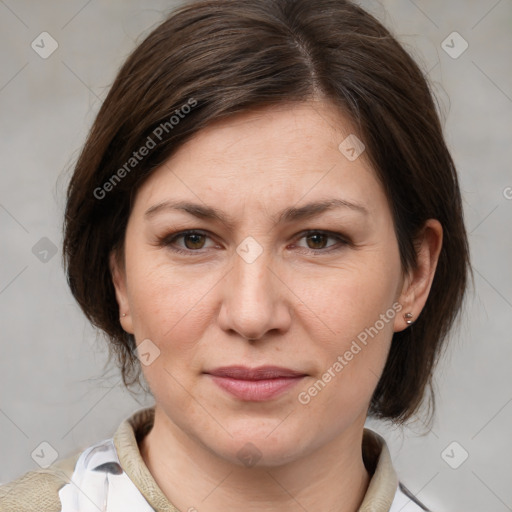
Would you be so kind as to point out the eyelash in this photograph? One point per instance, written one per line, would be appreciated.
(168, 240)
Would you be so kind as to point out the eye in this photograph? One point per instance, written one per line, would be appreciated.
(316, 241)
(193, 241)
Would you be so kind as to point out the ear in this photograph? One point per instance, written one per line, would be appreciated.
(118, 274)
(418, 281)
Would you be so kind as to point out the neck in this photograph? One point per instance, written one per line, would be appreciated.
(333, 478)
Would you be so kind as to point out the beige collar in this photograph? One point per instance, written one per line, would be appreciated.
(378, 497)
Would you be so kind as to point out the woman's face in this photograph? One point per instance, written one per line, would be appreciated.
(276, 282)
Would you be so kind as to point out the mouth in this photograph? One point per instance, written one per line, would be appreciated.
(255, 384)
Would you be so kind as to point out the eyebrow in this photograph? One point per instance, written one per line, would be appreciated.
(287, 215)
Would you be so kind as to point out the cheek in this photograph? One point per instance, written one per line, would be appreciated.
(167, 309)
(346, 300)
(349, 369)
(167, 304)
(357, 307)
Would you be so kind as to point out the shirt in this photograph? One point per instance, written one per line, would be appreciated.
(111, 476)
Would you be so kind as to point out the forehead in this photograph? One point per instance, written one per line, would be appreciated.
(272, 154)
(282, 133)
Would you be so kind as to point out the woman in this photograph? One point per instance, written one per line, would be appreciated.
(266, 216)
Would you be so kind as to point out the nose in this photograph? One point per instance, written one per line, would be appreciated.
(255, 300)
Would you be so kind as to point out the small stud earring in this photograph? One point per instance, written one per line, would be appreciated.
(123, 315)
(407, 318)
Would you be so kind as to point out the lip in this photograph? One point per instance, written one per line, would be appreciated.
(255, 384)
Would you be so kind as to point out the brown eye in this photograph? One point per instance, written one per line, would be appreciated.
(317, 241)
(186, 242)
(194, 241)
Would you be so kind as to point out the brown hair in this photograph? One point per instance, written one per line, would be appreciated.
(223, 57)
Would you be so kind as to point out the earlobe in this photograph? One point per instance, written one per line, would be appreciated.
(419, 280)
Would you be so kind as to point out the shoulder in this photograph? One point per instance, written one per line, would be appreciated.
(74, 484)
(39, 489)
(89, 477)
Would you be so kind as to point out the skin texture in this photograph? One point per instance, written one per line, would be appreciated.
(299, 304)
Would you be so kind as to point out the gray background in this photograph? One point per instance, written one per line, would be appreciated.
(52, 386)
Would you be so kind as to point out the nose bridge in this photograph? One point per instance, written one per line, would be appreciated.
(251, 267)
(252, 275)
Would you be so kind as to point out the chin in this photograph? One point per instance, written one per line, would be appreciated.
(258, 444)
